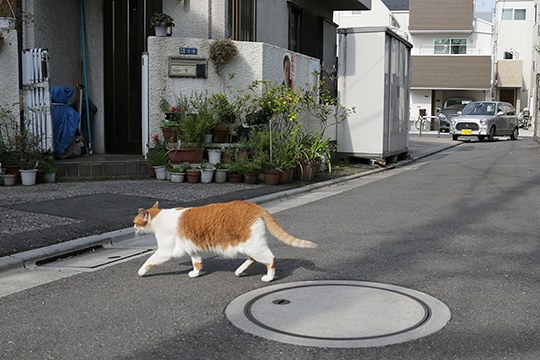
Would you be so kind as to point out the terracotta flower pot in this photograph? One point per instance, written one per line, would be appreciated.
(192, 156)
(250, 177)
(308, 170)
(151, 171)
(220, 132)
(169, 134)
(193, 176)
(285, 176)
(235, 177)
(271, 177)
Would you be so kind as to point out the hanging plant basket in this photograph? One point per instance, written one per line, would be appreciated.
(221, 52)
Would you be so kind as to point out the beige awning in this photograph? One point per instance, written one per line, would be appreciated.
(509, 73)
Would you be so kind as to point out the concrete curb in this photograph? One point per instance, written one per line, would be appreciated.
(27, 259)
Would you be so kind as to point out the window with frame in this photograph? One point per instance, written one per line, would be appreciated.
(241, 22)
(514, 14)
(450, 46)
(295, 28)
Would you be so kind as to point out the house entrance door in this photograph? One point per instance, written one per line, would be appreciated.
(126, 28)
(507, 95)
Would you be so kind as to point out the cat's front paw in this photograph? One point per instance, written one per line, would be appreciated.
(267, 278)
(142, 271)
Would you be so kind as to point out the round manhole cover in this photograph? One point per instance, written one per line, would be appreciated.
(338, 313)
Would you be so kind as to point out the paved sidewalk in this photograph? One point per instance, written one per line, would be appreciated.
(50, 219)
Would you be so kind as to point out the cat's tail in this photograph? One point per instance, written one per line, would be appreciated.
(280, 234)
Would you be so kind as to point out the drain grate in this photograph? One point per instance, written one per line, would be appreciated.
(338, 313)
(91, 258)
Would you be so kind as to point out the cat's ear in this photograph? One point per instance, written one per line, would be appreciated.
(156, 205)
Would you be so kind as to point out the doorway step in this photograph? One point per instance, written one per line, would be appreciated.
(101, 166)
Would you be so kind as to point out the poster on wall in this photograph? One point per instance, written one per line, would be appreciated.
(288, 69)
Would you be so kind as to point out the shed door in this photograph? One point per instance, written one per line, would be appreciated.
(125, 33)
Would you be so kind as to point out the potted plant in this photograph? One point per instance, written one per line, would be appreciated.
(220, 52)
(314, 148)
(47, 166)
(227, 154)
(236, 174)
(207, 172)
(226, 116)
(286, 154)
(193, 129)
(28, 152)
(178, 172)
(221, 173)
(272, 174)
(161, 23)
(9, 132)
(157, 158)
(214, 156)
(173, 115)
(250, 170)
(193, 175)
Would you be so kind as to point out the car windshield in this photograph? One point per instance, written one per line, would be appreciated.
(483, 108)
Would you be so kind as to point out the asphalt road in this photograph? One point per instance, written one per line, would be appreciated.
(461, 225)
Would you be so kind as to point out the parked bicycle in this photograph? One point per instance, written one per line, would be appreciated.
(423, 124)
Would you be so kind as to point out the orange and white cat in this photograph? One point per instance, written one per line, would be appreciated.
(228, 229)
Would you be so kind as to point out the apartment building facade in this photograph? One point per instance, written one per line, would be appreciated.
(451, 56)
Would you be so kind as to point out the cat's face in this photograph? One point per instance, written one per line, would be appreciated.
(141, 222)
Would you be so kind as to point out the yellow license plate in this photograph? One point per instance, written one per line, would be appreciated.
(466, 132)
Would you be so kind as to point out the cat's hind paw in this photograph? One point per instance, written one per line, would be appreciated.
(195, 273)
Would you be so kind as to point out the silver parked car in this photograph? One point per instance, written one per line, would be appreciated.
(486, 119)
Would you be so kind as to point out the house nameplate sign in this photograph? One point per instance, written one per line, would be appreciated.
(187, 67)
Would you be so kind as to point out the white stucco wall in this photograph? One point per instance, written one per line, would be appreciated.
(9, 71)
(255, 61)
(516, 36)
(379, 15)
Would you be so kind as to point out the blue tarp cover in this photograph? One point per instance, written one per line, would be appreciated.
(65, 119)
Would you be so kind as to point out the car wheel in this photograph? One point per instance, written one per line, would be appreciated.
(515, 134)
(454, 137)
(481, 137)
(491, 135)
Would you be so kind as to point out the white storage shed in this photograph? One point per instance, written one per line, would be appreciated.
(374, 78)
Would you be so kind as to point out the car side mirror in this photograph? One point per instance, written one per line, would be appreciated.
(500, 113)
(458, 113)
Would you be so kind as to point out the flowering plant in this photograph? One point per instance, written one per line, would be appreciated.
(157, 154)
